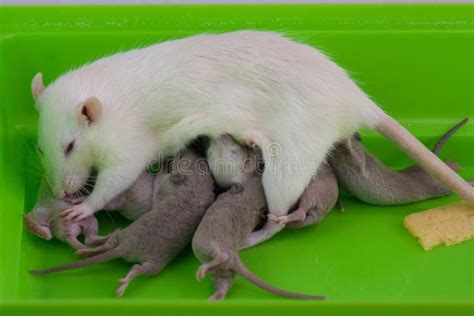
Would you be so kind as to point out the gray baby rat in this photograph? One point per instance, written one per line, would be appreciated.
(368, 179)
(137, 199)
(227, 161)
(230, 220)
(317, 200)
(182, 198)
(44, 220)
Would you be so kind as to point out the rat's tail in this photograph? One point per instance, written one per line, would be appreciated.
(106, 256)
(439, 145)
(427, 160)
(249, 276)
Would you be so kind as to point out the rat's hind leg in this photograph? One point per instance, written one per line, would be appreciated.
(219, 259)
(97, 240)
(269, 229)
(74, 243)
(109, 245)
(146, 268)
(313, 216)
(90, 228)
(288, 170)
(298, 215)
(222, 286)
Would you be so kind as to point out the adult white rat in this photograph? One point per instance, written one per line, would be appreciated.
(119, 112)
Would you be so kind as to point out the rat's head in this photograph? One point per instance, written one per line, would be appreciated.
(230, 163)
(65, 136)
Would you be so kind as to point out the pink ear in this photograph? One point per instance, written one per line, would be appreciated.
(37, 86)
(89, 111)
(249, 165)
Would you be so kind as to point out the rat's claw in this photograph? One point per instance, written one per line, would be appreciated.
(122, 287)
(77, 213)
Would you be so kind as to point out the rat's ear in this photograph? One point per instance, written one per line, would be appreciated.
(89, 111)
(37, 86)
(249, 165)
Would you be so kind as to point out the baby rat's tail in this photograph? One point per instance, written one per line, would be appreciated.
(249, 276)
(439, 145)
(106, 256)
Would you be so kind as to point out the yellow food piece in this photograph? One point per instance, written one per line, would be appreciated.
(449, 224)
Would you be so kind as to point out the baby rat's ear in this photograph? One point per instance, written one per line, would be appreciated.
(89, 111)
(37, 86)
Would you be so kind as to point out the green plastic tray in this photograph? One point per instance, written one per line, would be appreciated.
(414, 60)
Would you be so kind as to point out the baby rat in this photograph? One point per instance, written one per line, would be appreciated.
(286, 97)
(317, 200)
(230, 220)
(227, 160)
(368, 179)
(182, 198)
(45, 222)
(138, 199)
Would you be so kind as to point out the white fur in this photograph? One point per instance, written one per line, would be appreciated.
(158, 98)
(229, 161)
(257, 85)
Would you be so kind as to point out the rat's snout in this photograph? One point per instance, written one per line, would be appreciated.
(72, 183)
(41, 230)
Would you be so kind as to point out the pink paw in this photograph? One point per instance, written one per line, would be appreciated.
(453, 165)
(77, 213)
(202, 271)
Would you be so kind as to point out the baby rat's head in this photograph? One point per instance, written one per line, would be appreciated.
(65, 133)
(230, 163)
(351, 153)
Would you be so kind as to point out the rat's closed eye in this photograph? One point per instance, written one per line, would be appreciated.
(69, 148)
(39, 150)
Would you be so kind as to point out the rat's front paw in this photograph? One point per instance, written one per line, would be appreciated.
(77, 212)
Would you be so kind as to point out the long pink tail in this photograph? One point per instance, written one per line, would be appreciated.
(427, 160)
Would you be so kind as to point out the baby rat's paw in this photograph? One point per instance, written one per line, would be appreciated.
(220, 259)
(77, 213)
(453, 165)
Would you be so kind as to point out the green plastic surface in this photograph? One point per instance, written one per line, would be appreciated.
(416, 61)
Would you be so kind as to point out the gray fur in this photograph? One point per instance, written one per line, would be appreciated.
(182, 198)
(368, 179)
(229, 222)
(317, 200)
(137, 199)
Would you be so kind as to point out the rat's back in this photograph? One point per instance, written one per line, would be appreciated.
(232, 217)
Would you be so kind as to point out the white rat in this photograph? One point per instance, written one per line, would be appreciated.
(287, 98)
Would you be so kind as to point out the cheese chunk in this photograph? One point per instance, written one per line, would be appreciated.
(449, 224)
